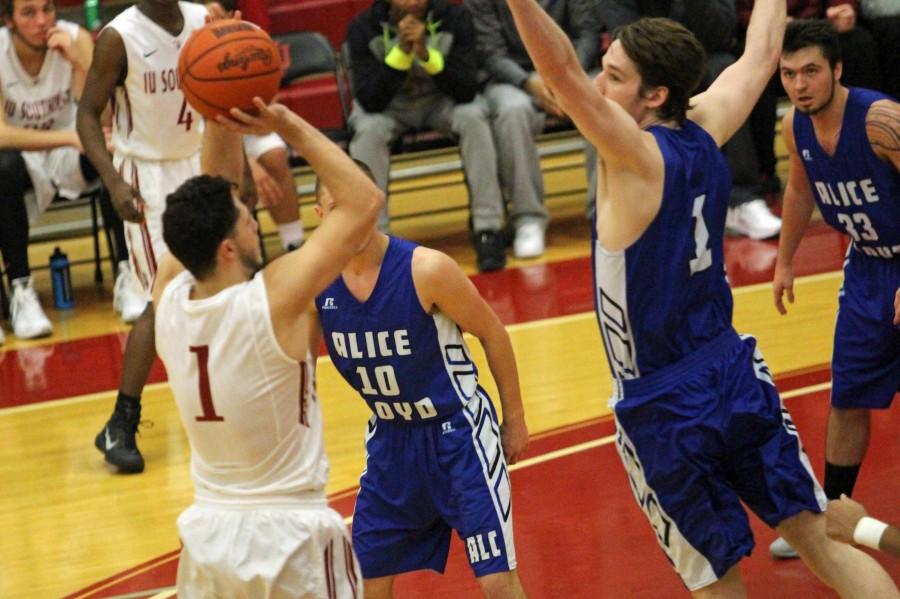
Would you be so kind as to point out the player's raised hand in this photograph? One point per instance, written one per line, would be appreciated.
(60, 40)
(514, 437)
(782, 284)
(269, 118)
(218, 13)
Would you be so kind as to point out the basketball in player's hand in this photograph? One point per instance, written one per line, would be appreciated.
(226, 64)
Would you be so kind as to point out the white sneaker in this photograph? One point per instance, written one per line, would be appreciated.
(529, 242)
(126, 299)
(27, 316)
(753, 219)
(780, 549)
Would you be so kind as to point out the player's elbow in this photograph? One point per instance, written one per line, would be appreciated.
(373, 204)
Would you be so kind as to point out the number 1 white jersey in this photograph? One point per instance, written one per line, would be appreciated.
(151, 118)
(249, 410)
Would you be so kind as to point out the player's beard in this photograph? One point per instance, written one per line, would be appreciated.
(817, 109)
(32, 47)
(251, 262)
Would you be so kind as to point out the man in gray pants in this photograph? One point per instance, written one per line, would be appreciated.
(520, 101)
(414, 67)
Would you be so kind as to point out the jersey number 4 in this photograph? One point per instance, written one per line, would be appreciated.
(185, 116)
(206, 400)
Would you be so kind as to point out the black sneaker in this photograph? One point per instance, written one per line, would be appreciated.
(491, 250)
(117, 443)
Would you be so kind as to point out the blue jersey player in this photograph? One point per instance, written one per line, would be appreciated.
(844, 148)
(700, 426)
(436, 456)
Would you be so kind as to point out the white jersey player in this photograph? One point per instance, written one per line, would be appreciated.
(156, 135)
(156, 140)
(237, 350)
(43, 103)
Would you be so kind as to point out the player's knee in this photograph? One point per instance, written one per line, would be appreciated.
(501, 585)
(13, 171)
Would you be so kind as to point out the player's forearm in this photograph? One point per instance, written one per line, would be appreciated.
(502, 362)
(765, 32)
(20, 138)
(94, 142)
(222, 153)
(351, 189)
(795, 215)
(548, 46)
(890, 541)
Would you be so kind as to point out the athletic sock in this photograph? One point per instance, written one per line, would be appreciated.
(127, 403)
(840, 480)
(291, 234)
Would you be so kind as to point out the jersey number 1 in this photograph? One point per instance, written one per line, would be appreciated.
(206, 401)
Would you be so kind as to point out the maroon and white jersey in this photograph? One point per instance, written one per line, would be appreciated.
(152, 120)
(249, 410)
(44, 102)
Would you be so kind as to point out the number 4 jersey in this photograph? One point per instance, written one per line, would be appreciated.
(249, 410)
(407, 364)
(152, 120)
(857, 192)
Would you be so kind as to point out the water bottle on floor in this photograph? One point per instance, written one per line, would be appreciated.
(61, 277)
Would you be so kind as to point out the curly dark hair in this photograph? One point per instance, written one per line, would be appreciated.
(198, 216)
(666, 55)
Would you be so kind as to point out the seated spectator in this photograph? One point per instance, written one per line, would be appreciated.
(519, 102)
(42, 74)
(860, 69)
(714, 22)
(275, 186)
(882, 19)
(414, 66)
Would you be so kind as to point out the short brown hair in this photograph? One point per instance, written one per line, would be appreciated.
(6, 8)
(665, 54)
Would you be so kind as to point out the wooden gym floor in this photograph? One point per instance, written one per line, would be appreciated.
(73, 528)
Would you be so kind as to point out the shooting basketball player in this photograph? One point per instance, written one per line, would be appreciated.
(700, 426)
(436, 455)
(156, 139)
(844, 148)
(236, 345)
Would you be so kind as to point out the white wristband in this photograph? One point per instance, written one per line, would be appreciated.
(868, 532)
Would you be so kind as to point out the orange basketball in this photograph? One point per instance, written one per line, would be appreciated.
(226, 64)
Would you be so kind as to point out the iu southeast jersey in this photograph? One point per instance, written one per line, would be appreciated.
(151, 118)
(44, 102)
(667, 294)
(857, 192)
(408, 365)
(249, 410)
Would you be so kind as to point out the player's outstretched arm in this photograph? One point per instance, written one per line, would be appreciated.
(294, 280)
(883, 131)
(615, 134)
(441, 285)
(797, 209)
(727, 103)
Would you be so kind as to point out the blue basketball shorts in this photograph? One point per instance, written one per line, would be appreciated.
(865, 365)
(423, 480)
(700, 436)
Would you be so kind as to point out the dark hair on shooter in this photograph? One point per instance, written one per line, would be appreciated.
(198, 216)
(362, 166)
(803, 33)
(667, 55)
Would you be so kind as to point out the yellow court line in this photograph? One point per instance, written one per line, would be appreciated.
(512, 327)
(165, 594)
